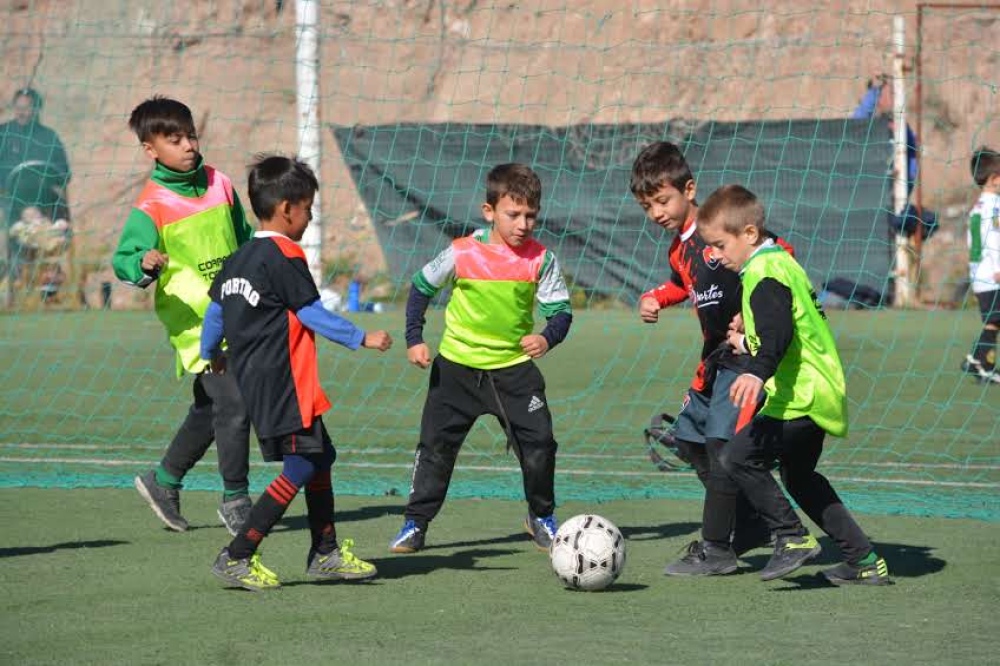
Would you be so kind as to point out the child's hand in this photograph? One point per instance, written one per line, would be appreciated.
(218, 364)
(649, 310)
(534, 346)
(419, 355)
(153, 261)
(735, 335)
(745, 390)
(379, 340)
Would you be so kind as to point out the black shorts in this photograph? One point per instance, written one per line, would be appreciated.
(313, 440)
(989, 306)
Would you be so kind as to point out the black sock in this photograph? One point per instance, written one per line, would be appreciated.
(319, 505)
(985, 351)
(265, 514)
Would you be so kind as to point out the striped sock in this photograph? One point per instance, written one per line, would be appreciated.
(264, 515)
(319, 503)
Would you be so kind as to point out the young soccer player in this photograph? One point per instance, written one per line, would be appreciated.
(265, 304)
(485, 363)
(185, 223)
(984, 263)
(794, 359)
(663, 185)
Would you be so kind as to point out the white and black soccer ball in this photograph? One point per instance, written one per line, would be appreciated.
(588, 552)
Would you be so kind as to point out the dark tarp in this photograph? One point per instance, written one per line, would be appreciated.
(824, 184)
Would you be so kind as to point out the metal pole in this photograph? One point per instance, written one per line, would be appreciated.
(307, 99)
(905, 288)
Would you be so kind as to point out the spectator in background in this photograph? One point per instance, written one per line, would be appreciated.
(878, 101)
(34, 170)
(34, 173)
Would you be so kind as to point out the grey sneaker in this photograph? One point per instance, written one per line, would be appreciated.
(542, 530)
(790, 553)
(341, 564)
(703, 559)
(248, 572)
(851, 574)
(165, 502)
(234, 513)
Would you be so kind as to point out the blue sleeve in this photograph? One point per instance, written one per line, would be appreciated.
(557, 328)
(332, 327)
(211, 331)
(866, 108)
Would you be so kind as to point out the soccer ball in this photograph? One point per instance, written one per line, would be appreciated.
(588, 552)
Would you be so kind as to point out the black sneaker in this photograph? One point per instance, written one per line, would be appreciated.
(703, 559)
(542, 530)
(984, 375)
(410, 538)
(790, 553)
(165, 502)
(234, 513)
(849, 574)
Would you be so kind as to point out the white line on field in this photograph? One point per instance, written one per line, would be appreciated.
(506, 469)
(562, 456)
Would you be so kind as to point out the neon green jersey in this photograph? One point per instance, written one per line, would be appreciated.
(495, 288)
(809, 380)
(196, 219)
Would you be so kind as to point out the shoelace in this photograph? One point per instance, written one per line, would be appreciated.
(346, 555)
(261, 572)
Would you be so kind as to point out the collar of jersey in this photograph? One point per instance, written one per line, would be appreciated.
(688, 229)
(767, 246)
(267, 233)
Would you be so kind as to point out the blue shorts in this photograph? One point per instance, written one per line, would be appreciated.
(708, 417)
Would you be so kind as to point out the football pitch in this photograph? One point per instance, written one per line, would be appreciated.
(90, 576)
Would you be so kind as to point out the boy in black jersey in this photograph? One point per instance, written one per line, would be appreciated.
(266, 305)
(663, 185)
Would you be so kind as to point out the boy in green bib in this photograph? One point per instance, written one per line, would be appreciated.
(185, 223)
(795, 362)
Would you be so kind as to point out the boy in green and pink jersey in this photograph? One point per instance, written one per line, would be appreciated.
(485, 363)
(184, 224)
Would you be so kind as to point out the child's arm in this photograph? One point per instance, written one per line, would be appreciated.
(426, 282)
(137, 260)
(669, 293)
(244, 231)
(331, 326)
(211, 337)
(771, 306)
(866, 108)
(554, 305)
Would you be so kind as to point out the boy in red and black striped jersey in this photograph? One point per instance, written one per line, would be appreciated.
(665, 188)
(266, 305)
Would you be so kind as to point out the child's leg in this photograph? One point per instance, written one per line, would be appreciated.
(747, 458)
(452, 406)
(231, 425)
(689, 432)
(802, 446)
(519, 401)
(320, 499)
(191, 440)
(984, 351)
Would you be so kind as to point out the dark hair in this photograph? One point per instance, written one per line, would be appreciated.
(161, 116)
(30, 93)
(985, 163)
(275, 178)
(733, 206)
(517, 181)
(659, 164)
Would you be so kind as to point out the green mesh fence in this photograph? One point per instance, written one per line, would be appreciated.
(419, 99)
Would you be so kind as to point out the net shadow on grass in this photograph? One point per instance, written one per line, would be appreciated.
(18, 551)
